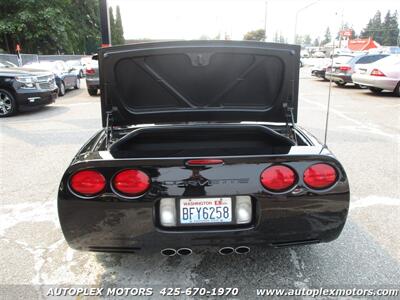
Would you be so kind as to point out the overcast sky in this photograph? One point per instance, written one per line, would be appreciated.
(190, 19)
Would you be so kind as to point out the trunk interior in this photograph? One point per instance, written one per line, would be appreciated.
(201, 141)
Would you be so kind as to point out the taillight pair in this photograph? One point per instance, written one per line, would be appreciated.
(280, 178)
(130, 183)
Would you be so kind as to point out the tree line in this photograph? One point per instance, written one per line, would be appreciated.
(385, 32)
(117, 31)
(54, 27)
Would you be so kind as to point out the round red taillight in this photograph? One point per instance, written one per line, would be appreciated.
(278, 178)
(87, 182)
(131, 182)
(320, 176)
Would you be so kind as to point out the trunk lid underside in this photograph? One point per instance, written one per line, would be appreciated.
(213, 81)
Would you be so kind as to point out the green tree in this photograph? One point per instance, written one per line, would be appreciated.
(316, 42)
(374, 28)
(298, 39)
(307, 39)
(327, 37)
(276, 37)
(40, 26)
(112, 25)
(367, 31)
(390, 29)
(282, 39)
(255, 35)
(279, 38)
(84, 23)
(119, 30)
(116, 30)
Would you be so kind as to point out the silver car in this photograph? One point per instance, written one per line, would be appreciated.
(77, 67)
(92, 77)
(379, 76)
(341, 72)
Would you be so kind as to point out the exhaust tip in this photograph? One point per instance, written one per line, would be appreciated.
(184, 251)
(242, 250)
(168, 252)
(226, 250)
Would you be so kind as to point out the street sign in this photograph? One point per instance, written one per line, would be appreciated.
(346, 32)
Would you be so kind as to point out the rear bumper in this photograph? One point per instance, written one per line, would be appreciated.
(318, 73)
(28, 99)
(339, 77)
(92, 82)
(108, 223)
(109, 226)
(385, 83)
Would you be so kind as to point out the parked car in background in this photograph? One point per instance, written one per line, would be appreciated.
(92, 77)
(385, 50)
(304, 54)
(7, 64)
(319, 54)
(341, 73)
(24, 89)
(65, 77)
(381, 75)
(77, 67)
(319, 70)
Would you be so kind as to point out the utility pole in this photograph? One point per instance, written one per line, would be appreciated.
(104, 25)
(341, 31)
(297, 16)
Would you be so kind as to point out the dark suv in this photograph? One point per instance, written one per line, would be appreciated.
(23, 89)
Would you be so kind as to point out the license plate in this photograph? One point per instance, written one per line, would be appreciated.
(206, 210)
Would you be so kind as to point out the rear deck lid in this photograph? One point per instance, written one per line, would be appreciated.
(211, 81)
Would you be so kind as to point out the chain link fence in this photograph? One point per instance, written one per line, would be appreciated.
(32, 58)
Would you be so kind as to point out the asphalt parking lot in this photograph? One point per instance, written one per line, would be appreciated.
(364, 132)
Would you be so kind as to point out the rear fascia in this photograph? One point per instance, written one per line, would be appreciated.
(112, 222)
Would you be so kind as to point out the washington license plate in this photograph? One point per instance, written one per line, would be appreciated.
(206, 210)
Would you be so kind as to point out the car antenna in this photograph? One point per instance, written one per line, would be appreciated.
(329, 96)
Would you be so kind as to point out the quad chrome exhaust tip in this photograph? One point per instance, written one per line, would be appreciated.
(242, 250)
(168, 252)
(184, 251)
(226, 250)
(173, 252)
(237, 250)
(187, 251)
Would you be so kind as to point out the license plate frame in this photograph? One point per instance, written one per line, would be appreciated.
(207, 223)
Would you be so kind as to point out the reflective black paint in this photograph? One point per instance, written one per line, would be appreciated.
(111, 223)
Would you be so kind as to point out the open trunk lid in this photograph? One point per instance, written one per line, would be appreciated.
(210, 81)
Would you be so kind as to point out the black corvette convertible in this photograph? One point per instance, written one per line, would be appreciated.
(200, 149)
